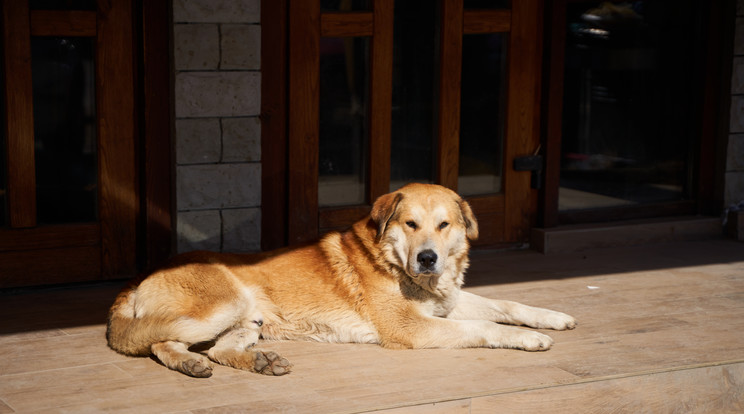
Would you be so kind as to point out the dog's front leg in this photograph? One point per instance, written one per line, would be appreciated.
(434, 332)
(474, 307)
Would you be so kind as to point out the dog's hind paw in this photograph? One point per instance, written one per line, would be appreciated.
(199, 368)
(271, 363)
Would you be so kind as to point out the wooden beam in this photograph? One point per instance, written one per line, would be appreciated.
(304, 96)
(346, 24)
(19, 115)
(450, 80)
(486, 21)
(118, 197)
(63, 23)
(381, 100)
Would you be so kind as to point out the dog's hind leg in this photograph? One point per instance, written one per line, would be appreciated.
(176, 356)
(233, 349)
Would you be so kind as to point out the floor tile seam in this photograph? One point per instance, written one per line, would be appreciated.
(578, 381)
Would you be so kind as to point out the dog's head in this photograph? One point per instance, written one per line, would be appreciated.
(424, 229)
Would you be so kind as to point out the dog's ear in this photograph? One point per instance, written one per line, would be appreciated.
(471, 224)
(383, 210)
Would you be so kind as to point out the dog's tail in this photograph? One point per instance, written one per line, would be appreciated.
(130, 335)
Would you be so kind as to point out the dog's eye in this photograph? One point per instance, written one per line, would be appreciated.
(412, 224)
(443, 225)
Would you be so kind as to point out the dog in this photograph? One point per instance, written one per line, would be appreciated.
(393, 279)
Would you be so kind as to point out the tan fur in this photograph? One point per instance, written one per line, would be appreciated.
(393, 279)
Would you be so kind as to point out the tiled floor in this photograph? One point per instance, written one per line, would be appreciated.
(660, 331)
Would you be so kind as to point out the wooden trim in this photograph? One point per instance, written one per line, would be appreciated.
(63, 23)
(489, 211)
(48, 237)
(19, 115)
(273, 124)
(553, 109)
(156, 86)
(346, 24)
(450, 74)
(49, 266)
(341, 218)
(381, 100)
(523, 116)
(486, 21)
(304, 95)
(118, 203)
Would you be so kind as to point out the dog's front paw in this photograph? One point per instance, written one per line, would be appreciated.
(534, 341)
(559, 321)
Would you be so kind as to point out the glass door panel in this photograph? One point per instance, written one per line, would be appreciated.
(344, 129)
(344, 5)
(628, 122)
(413, 135)
(483, 110)
(63, 76)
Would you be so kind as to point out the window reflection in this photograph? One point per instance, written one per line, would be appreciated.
(344, 5)
(486, 4)
(344, 97)
(483, 108)
(414, 93)
(63, 77)
(629, 77)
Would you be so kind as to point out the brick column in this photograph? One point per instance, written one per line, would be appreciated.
(217, 103)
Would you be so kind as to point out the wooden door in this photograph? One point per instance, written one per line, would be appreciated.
(69, 192)
(341, 157)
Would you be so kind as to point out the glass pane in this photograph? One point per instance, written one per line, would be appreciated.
(414, 99)
(482, 116)
(344, 97)
(628, 113)
(62, 4)
(487, 4)
(344, 5)
(63, 75)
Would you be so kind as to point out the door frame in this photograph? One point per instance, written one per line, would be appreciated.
(290, 212)
(134, 230)
(712, 94)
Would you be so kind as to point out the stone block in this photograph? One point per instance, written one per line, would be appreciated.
(736, 122)
(735, 153)
(241, 230)
(217, 11)
(196, 46)
(202, 187)
(739, 36)
(210, 94)
(241, 47)
(241, 139)
(737, 76)
(198, 141)
(733, 188)
(198, 230)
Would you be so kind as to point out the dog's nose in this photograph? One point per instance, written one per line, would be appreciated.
(427, 259)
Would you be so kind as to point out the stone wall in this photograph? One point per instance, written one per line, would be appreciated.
(217, 103)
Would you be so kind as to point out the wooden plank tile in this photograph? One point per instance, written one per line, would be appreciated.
(700, 390)
(447, 407)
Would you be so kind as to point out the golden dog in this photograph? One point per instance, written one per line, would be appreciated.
(393, 279)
